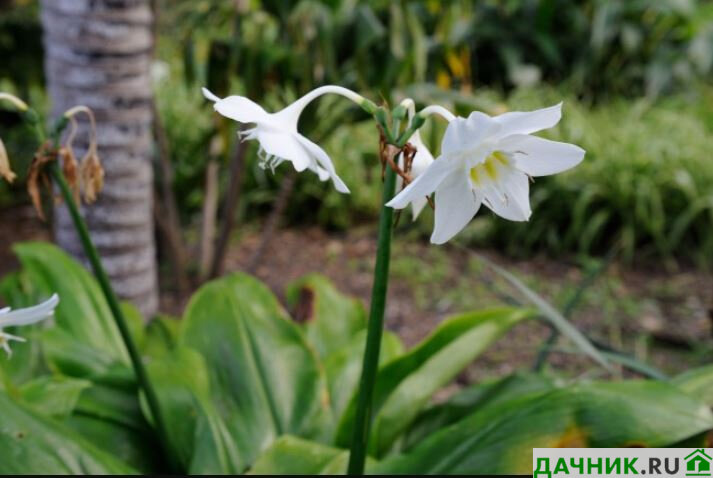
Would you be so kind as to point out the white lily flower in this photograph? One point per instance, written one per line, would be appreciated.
(27, 316)
(489, 160)
(421, 161)
(277, 132)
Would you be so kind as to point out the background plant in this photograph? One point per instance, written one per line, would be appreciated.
(246, 386)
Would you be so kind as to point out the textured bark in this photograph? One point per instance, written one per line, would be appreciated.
(98, 53)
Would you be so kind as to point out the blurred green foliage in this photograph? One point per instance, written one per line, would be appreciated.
(644, 185)
(635, 76)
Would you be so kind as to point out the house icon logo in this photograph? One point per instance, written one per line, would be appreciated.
(698, 463)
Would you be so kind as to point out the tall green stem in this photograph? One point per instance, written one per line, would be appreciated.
(362, 420)
(101, 275)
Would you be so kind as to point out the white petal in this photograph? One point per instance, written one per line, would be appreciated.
(321, 172)
(456, 204)
(209, 95)
(541, 157)
(467, 134)
(509, 196)
(30, 315)
(243, 110)
(417, 206)
(518, 122)
(324, 162)
(425, 184)
(421, 161)
(285, 146)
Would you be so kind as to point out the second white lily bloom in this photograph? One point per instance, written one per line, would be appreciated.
(277, 132)
(27, 316)
(421, 161)
(489, 160)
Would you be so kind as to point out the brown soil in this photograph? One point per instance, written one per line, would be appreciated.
(655, 314)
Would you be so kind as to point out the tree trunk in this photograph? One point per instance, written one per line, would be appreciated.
(98, 53)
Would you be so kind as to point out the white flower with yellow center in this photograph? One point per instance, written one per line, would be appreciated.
(28, 316)
(489, 160)
(277, 132)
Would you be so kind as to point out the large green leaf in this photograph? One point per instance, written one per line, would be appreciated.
(499, 439)
(471, 399)
(265, 380)
(31, 444)
(330, 319)
(199, 440)
(71, 357)
(82, 311)
(53, 396)
(290, 455)
(698, 382)
(109, 415)
(160, 337)
(405, 385)
(343, 367)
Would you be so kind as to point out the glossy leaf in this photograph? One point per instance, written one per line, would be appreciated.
(265, 380)
(52, 396)
(160, 336)
(329, 318)
(698, 382)
(499, 439)
(471, 399)
(199, 438)
(405, 385)
(82, 311)
(343, 367)
(33, 444)
(290, 455)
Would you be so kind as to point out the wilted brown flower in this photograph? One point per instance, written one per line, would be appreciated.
(37, 176)
(92, 175)
(70, 171)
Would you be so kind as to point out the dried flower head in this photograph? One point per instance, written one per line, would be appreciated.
(91, 173)
(92, 176)
(38, 177)
(70, 171)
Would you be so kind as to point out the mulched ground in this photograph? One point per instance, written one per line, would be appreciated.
(658, 315)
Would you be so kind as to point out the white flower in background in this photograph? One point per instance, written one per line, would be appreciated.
(5, 170)
(28, 316)
(421, 161)
(489, 160)
(277, 132)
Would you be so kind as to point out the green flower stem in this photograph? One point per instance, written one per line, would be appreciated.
(103, 279)
(362, 421)
(91, 252)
